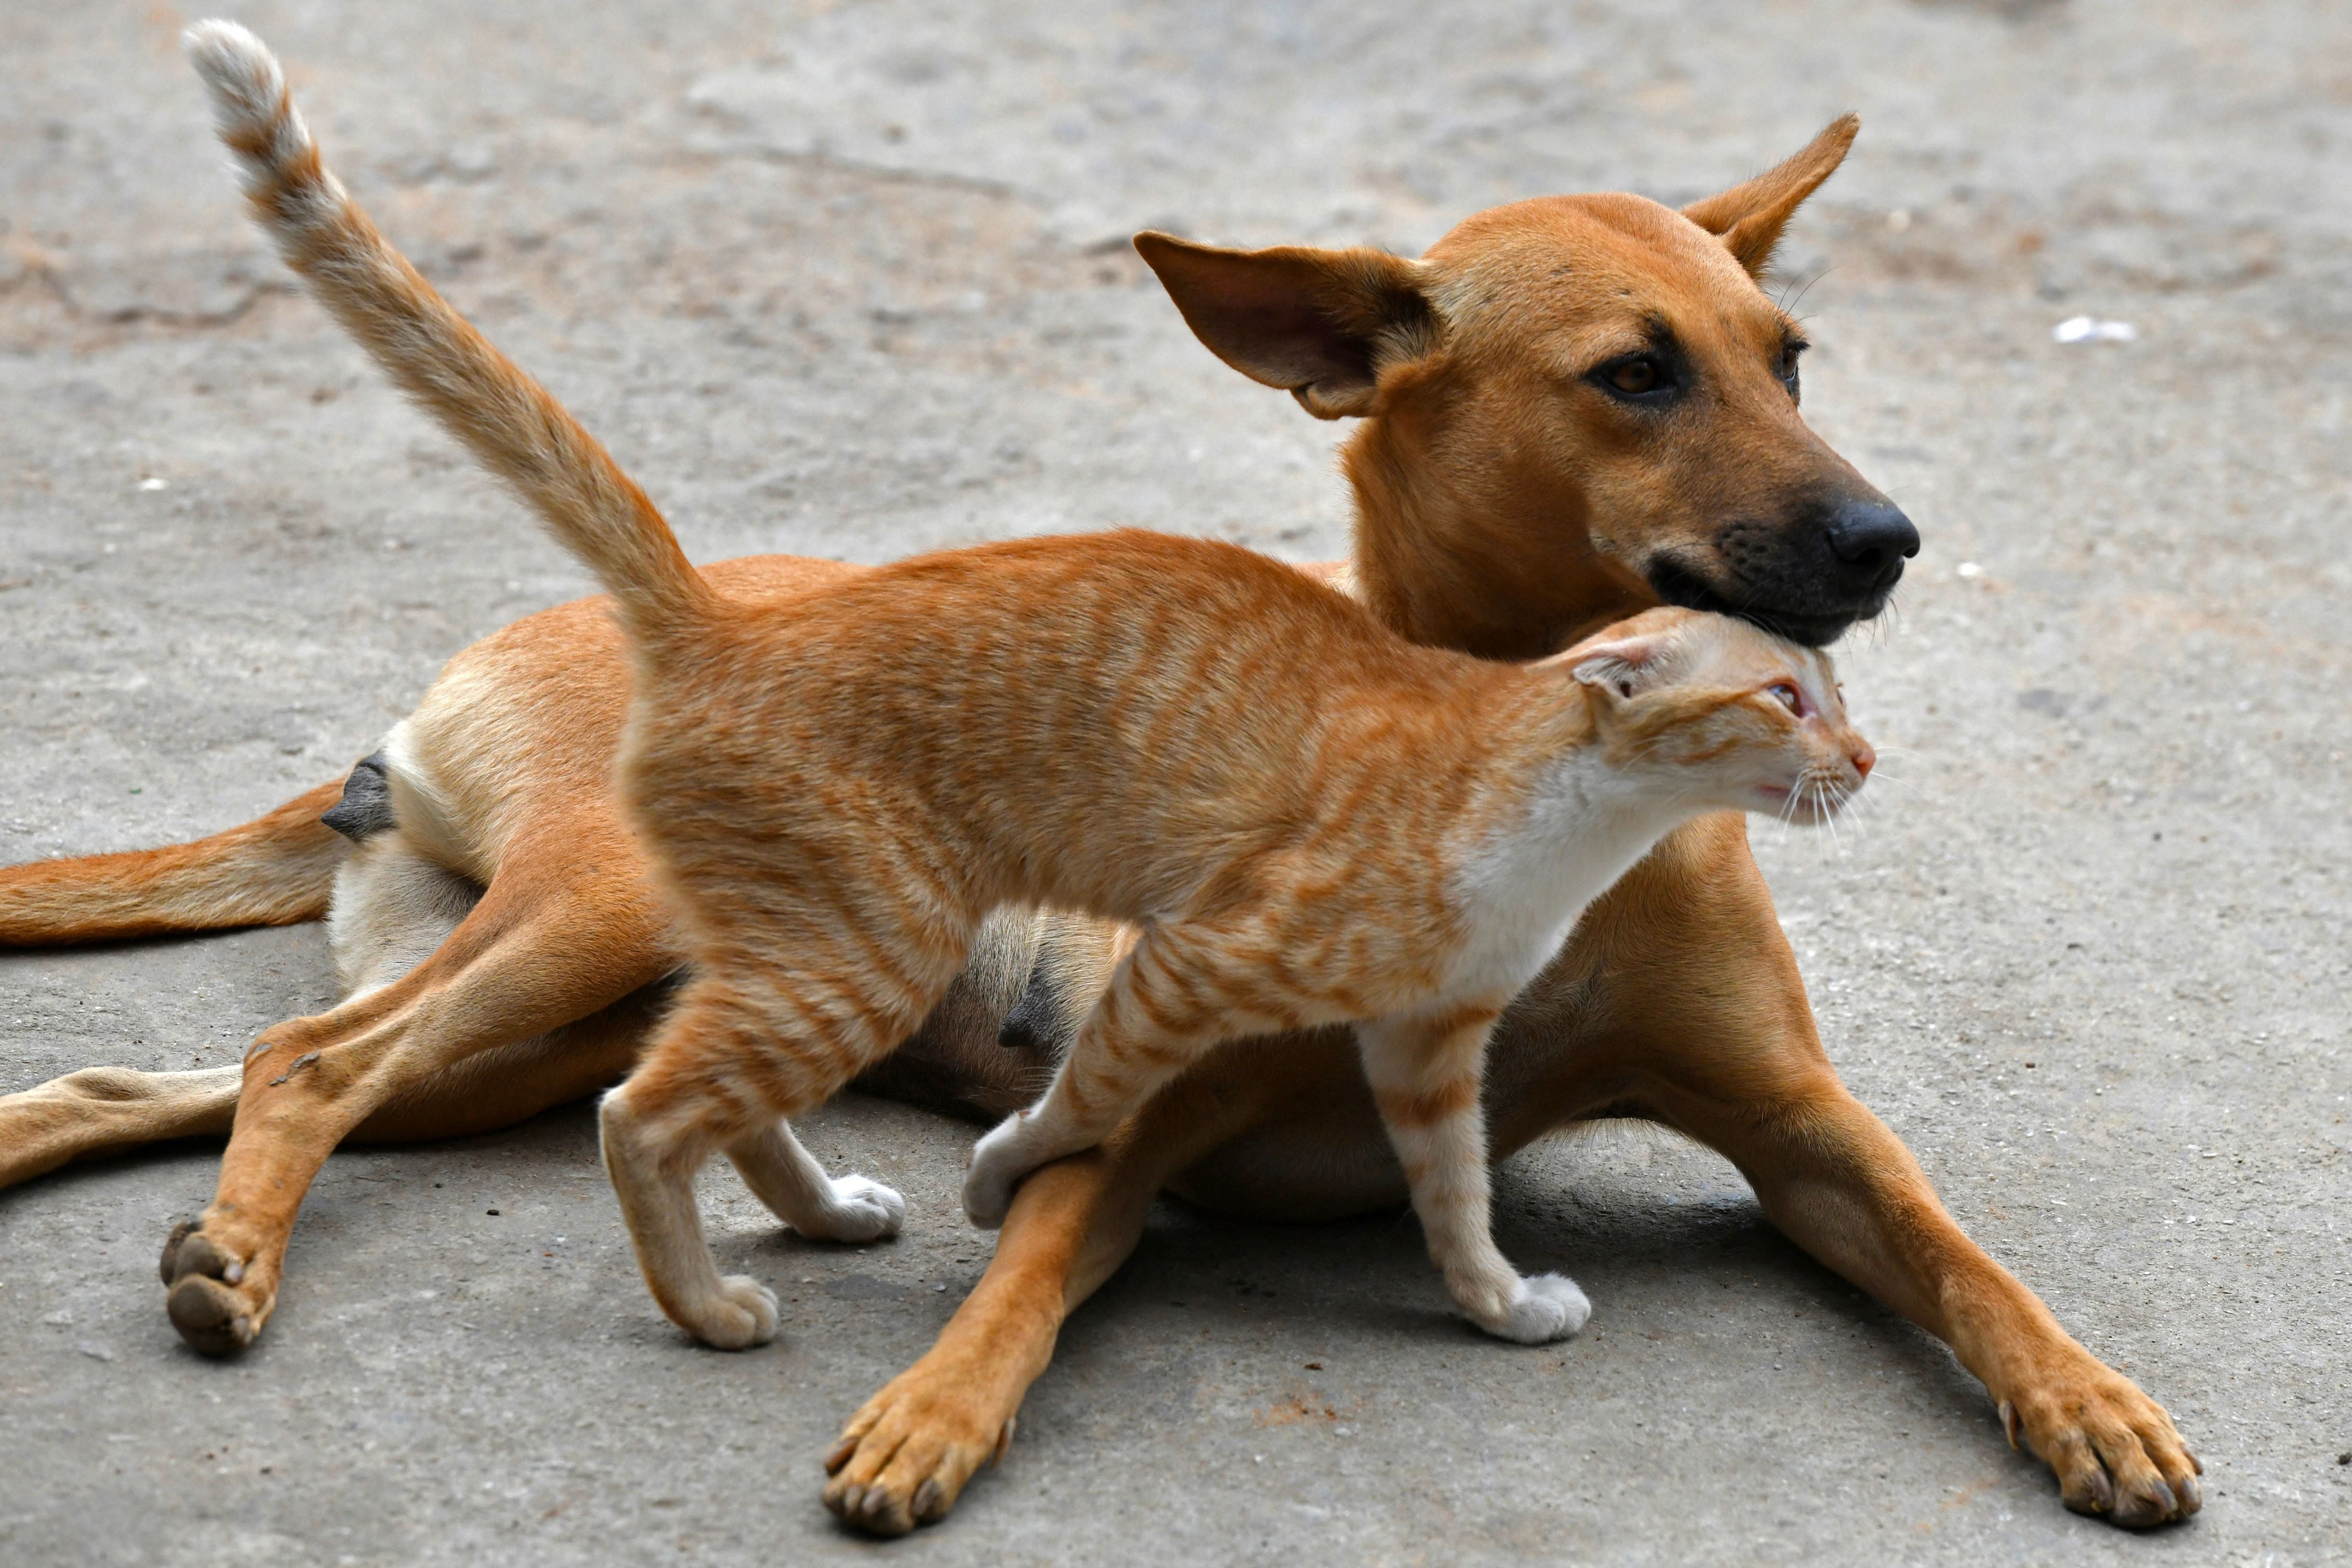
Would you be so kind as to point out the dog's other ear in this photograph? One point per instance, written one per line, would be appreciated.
(1748, 218)
(1320, 324)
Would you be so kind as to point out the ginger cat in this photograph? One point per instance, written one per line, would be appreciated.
(1310, 821)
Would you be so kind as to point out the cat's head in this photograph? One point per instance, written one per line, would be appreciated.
(1723, 712)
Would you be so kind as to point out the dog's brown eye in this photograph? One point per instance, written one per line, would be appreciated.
(1788, 368)
(1790, 698)
(1646, 380)
(1635, 376)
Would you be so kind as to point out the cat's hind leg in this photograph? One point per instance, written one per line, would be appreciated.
(758, 1037)
(787, 1178)
(656, 1131)
(1425, 1071)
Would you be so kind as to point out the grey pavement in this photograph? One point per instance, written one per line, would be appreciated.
(848, 279)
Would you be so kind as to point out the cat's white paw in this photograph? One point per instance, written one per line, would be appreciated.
(999, 1161)
(1543, 1309)
(741, 1315)
(859, 1210)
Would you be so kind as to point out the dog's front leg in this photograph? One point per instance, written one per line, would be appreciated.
(904, 1458)
(1701, 1016)
(1711, 1024)
(1843, 1188)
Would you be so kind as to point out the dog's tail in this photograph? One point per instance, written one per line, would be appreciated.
(274, 871)
(508, 420)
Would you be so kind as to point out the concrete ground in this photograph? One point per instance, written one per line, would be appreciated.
(849, 278)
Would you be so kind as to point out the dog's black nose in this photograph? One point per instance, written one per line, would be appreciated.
(1870, 540)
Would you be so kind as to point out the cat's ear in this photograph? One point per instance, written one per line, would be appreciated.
(1617, 666)
(1320, 324)
(1748, 218)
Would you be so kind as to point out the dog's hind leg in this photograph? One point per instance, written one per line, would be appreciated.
(273, 870)
(565, 930)
(101, 1111)
(392, 908)
(106, 1110)
(391, 911)
(511, 1083)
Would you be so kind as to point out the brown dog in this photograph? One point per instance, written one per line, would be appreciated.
(1572, 408)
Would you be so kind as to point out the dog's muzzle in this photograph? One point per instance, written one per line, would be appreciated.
(1808, 581)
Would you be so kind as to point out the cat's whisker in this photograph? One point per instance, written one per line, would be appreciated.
(1787, 815)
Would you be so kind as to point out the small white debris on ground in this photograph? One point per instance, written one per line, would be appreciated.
(2088, 329)
(154, 483)
(1968, 569)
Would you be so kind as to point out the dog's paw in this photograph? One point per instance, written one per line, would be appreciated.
(741, 1315)
(858, 1211)
(1546, 1308)
(904, 1458)
(216, 1299)
(2117, 1454)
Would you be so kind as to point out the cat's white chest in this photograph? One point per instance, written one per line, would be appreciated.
(1522, 889)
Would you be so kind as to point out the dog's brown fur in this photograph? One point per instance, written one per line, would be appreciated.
(1505, 503)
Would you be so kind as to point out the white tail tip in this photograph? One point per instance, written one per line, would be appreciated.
(247, 85)
(249, 100)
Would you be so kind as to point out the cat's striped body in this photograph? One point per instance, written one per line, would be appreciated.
(1309, 821)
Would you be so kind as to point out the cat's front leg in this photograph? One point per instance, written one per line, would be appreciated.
(1007, 1152)
(1181, 989)
(1424, 1070)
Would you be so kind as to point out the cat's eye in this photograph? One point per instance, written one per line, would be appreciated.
(1789, 697)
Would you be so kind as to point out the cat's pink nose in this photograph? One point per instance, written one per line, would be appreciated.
(1862, 757)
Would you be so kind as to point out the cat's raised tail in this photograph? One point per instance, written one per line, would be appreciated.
(504, 417)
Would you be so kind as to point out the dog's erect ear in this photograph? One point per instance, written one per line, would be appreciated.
(1748, 218)
(1320, 324)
